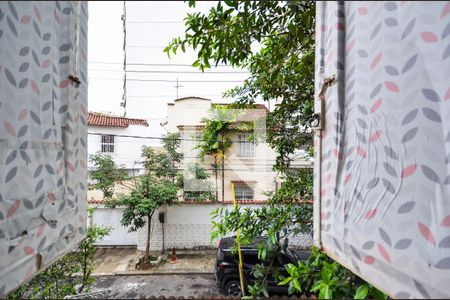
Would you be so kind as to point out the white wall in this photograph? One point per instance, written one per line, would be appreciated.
(187, 112)
(119, 235)
(126, 150)
(188, 226)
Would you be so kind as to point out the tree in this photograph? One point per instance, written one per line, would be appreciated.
(281, 65)
(157, 187)
(196, 184)
(282, 68)
(105, 174)
(62, 277)
(215, 143)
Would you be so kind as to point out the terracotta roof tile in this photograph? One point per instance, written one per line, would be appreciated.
(95, 119)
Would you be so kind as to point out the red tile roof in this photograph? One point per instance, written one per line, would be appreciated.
(96, 119)
(243, 182)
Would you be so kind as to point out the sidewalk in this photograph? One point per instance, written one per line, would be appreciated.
(121, 261)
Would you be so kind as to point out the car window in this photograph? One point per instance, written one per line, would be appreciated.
(250, 258)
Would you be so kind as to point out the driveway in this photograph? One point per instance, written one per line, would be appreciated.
(145, 286)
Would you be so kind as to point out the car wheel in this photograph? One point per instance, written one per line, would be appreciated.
(233, 288)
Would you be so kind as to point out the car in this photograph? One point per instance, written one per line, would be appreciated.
(227, 266)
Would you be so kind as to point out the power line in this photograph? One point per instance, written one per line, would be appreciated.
(150, 64)
(172, 72)
(155, 22)
(171, 81)
(155, 137)
(167, 95)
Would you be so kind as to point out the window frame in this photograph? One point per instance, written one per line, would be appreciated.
(246, 148)
(107, 143)
(241, 193)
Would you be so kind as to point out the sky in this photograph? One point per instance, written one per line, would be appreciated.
(151, 74)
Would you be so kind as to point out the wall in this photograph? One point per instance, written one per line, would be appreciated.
(127, 150)
(119, 235)
(188, 226)
(187, 111)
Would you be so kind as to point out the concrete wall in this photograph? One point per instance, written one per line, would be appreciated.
(188, 226)
(119, 235)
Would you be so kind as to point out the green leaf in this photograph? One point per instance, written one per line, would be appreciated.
(296, 284)
(325, 292)
(377, 294)
(285, 281)
(265, 292)
(362, 291)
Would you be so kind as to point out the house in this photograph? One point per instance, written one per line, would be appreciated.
(123, 139)
(247, 164)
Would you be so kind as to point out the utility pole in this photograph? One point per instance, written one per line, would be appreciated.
(177, 86)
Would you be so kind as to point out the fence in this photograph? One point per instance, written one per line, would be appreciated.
(186, 226)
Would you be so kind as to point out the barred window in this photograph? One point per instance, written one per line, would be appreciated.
(107, 144)
(243, 192)
(246, 147)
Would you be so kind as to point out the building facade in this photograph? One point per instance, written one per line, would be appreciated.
(247, 164)
(122, 138)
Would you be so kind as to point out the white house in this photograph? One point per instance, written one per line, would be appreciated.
(123, 139)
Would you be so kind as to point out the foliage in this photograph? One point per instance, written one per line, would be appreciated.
(69, 275)
(197, 187)
(147, 196)
(277, 222)
(163, 164)
(275, 42)
(321, 275)
(297, 186)
(157, 187)
(213, 137)
(105, 174)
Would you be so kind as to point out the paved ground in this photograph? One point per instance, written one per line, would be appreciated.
(113, 260)
(143, 286)
(110, 261)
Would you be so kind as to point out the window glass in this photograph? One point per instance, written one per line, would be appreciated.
(107, 144)
(243, 192)
(246, 147)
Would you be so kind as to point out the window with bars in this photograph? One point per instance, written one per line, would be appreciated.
(243, 192)
(107, 144)
(246, 147)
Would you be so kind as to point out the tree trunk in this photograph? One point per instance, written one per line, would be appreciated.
(147, 246)
(217, 179)
(223, 178)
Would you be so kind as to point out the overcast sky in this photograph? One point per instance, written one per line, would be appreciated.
(150, 27)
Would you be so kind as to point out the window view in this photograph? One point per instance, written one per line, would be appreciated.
(246, 147)
(243, 192)
(107, 144)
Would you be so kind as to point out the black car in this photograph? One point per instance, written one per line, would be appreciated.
(227, 266)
